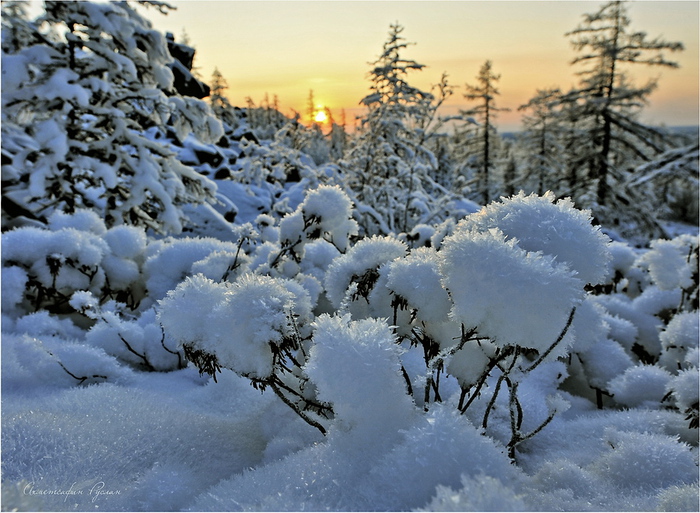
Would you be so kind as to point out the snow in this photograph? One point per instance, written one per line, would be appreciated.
(236, 323)
(483, 270)
(212, 445)
(555, 228)
(640, 386)
(350, 362)
(254, 331)
(366, 256)
(667, 263)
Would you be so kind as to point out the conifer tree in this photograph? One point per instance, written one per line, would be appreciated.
(389, 167)
(606, 102)
(218, 101)
(485, 112)
(543, 127)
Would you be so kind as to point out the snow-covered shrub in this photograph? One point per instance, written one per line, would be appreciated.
(30, 363)
(415, 279)
(671, 262)
(256, 326)
(77, 254)
(352, 277)
(325, 213)
(514, 297)
(556, 228)
(640, 386)
(685, 389)
(141, 342)
(355, 367)
(170, 260)
(681, 335)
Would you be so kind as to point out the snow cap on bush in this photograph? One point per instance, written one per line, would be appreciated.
(555, 228)
(57, 258)
(325, 213)
(677, 338)
(82, 219)
(189, 312)
(640, 386)
(416, 278)
(512, 296)
(237, 323)
(365, 256)
(686, 389)
(622, 256)
(670, 262)
(170, 260)
(355, 366)
(126, 241)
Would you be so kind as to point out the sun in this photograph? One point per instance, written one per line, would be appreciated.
(321, 117)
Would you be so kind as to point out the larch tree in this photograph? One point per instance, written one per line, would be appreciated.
(485, 112)
(85, 113)
(606, 102)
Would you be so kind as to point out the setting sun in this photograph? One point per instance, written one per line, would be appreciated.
(321, 117)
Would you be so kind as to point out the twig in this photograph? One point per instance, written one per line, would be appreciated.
(294, 407)
(556, 342)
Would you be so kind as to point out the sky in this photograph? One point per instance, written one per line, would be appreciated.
(288, 48)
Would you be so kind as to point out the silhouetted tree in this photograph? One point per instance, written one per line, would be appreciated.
(485, 112)
(220, 104)
(606, 102)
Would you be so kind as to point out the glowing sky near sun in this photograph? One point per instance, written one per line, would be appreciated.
(287, 48)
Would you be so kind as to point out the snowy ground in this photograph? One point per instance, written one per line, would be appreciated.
(176, 441)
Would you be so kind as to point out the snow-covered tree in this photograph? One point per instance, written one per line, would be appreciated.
(18, 31)
(540, 142)
(606, 102)
(389, 166)
(672, 176)
(82, 109)
(220, 104)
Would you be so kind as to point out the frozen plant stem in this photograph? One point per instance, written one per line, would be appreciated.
(285, 399)
(484, 375)
(556, 342)
(511, 386)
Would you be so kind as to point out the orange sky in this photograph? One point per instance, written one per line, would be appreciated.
(286, 48)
